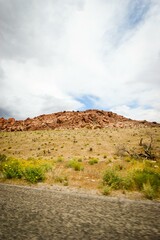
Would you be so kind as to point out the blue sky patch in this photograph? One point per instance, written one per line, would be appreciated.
(147, 107)
(135, 104)
(89, 101)
(135, 14)
(137, 10)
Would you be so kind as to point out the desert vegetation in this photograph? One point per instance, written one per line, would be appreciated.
(30, 170)
(109, 161)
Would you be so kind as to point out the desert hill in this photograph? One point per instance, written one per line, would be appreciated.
(91, 119)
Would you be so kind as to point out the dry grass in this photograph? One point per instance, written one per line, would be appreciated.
(60, 146)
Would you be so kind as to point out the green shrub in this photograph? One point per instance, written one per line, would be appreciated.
(62, 179)
(119, 167)
(93, 161)
(12, 169)
(34, 174)
(106, 190)
(79, 159)
(149, 191)
(127, 183)
(146, 180)
(112, 179)
(60, 159)
(77, 166)
(3, 157)
(141, 177)
(32, 170)
(46, 167)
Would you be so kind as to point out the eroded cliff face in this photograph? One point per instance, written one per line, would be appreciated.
(91, 119)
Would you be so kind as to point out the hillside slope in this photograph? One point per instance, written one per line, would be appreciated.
(91, 119)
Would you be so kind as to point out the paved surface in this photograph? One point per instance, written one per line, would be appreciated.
(30, 213)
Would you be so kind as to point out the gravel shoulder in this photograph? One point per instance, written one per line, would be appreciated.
(41, 213)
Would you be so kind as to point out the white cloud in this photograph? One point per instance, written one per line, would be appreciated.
(60, 51)
(140, 113)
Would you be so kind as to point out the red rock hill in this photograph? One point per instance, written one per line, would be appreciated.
(91, 119)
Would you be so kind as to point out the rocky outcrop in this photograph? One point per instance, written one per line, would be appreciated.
(91, 119)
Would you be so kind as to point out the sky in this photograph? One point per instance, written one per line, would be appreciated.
(58, 55)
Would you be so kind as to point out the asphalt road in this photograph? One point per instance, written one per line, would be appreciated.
(30, 213)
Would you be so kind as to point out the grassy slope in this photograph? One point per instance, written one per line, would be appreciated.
(59, 146)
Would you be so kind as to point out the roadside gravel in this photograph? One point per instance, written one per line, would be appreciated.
(40, 213)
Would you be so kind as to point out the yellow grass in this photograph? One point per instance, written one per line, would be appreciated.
(60, 146)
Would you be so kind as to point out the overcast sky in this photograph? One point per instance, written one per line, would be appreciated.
(58, 55)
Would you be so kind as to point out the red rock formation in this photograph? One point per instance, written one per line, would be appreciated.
(91, 119)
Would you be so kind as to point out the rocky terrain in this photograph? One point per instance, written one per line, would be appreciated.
(90, 119)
